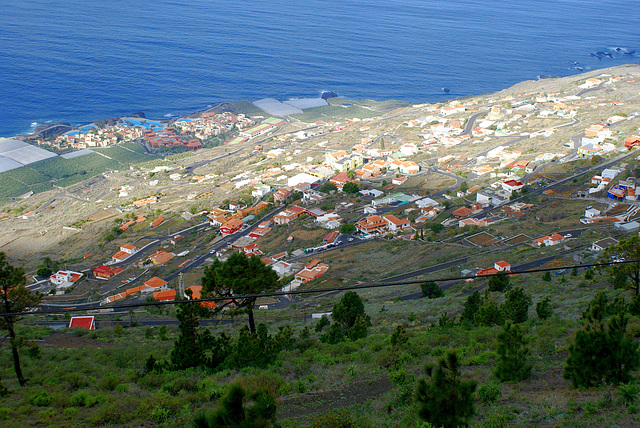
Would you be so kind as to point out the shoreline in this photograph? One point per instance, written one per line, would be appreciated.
(449, 96)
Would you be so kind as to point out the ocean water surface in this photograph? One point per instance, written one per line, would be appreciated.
(85, 60)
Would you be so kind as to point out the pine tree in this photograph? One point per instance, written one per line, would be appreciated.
(444, 398)
(471, 306)
(14, 298)
(431, 290)
(187, 350)
(499, 282)
(350, 315)
(516, 305)
(543, 309)
(512, 355)
(240, 408)
(238, 276)
(601, 354)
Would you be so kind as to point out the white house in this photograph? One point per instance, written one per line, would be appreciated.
(591, 212)
(394, 223)
(282, 268)
(260, 190)
(512, 185)
(64, 278)
(409, 149)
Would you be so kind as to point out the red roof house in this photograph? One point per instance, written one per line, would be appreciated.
(106, 272)
(462, 212)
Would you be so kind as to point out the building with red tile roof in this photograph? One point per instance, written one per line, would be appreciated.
(106, 272)
(231, 226)
(462, 212)
(158, 221)
(154, 284)
(371, 225)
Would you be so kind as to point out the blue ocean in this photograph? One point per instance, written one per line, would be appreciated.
(85, 60)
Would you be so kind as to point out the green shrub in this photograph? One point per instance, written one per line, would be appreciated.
(5, 412)
(109, 382)
(40, 399)
(489, 393)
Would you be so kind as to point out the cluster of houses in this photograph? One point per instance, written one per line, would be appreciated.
(94, 137)
(209, 124)
(167, 138)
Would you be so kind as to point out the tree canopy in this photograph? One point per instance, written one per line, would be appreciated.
(238, 279)
(15, 298)
(444, 398)
(625, 250)
(350, 187)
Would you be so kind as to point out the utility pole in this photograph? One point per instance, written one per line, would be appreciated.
(180, 284)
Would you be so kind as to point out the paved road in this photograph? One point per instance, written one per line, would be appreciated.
(468, 127)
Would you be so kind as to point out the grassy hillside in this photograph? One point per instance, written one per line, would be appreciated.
(98, 378)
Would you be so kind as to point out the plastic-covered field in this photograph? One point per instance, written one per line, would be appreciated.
(22, 152)
(7, 164)
(276, 108)
(76, 153)
(304, 103)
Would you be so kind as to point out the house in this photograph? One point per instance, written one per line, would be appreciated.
(330, 238)
(154, 284)
(157, 222)
(312, 271)
(399, 180)
(591, 212)
(372, 225)
(549, 240)
(175, 239)
(616, 192)
(105, 272)
(251, 250)
(329, 221)
(282, 268)
(165, 295)
(160, 257)
(630, 226)
(231, 226)
(88, 322)
(409, 149)
(475, 222)
(631, 142)
(281, 195)
(394, 223)
(589, 149)
(512, 185)
(340, 179)
(64, 278)
(408, 167)
(284, 217)
(601, 244)
(126, 251)
(260, 190)
(462, 212)
(502, 266)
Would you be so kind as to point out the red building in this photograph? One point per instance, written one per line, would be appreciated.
(106, 272)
